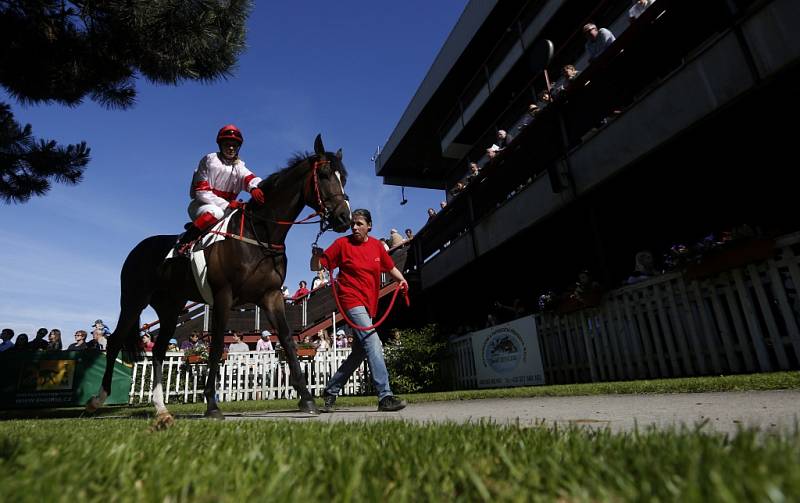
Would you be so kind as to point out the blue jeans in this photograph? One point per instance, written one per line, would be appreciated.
(365, 345)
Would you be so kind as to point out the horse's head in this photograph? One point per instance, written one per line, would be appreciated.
(325, 190)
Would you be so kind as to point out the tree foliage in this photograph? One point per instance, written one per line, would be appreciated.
(28, 165)
(57, 51)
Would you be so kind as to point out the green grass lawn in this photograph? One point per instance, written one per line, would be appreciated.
(60, 458)
(749, 382)
(197, 460)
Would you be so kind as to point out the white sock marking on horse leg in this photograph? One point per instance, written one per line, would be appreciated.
(98, 400)
(158, 392)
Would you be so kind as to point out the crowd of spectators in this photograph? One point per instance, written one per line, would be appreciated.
(585, 291)
(50, 340)
(597, 40)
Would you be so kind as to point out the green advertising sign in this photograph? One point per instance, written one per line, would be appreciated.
(58, 378)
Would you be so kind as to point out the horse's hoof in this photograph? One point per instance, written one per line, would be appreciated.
(163, 421)
(309, 407)
(214, 414)
(92, 405)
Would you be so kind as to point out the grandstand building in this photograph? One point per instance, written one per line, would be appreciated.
(676, 139)
(675, 131)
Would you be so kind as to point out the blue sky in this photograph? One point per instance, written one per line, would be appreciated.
(343, 69)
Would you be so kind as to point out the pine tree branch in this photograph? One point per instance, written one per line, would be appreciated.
(27, 165)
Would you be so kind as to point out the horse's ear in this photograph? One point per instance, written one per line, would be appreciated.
(319, 149)
(339, 154)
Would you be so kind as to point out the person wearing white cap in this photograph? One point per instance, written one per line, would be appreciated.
(264, 343)
(341, 338)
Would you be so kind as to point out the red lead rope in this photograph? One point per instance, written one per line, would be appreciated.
(380, 321)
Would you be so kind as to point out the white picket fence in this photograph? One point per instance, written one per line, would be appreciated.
(741, 320)
(243, 376)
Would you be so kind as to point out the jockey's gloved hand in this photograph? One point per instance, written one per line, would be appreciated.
(235, 204)
(258, 195)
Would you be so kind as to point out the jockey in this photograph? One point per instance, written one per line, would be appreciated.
(216, 182)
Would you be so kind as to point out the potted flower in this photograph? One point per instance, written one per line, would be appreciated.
(305, 351)
(198, 354)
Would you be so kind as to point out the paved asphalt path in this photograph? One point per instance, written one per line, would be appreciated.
(724, 412)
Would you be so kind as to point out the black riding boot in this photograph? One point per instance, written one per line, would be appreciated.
(182, 246)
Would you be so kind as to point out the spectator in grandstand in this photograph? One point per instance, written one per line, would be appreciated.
(54, 340)
(597, 40)
(544, 100)
(147, 343)
(409, 235)
(98, 341)
(192, 341)
(457, 189)
(644, 268)
(503, 139)
(173, 345)
(568, 74)
(431, 213)
(5, 339)
(639, 6)
(39, 343)
(341, 338)
(443, 204)
(102, 326)
(585, 286)
(491, 152)
(21, 344)
(80, 341)
(474, 171)
(264, 343)
(320, 280)
(360, 260)
(238, 345)
(395, 239)
(323, 344)
(301, 292)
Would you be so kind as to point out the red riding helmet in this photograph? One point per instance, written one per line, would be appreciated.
(230, 132)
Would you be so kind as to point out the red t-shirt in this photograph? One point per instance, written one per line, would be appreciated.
(360, 267)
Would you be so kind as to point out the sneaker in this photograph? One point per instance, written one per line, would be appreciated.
(329, 402)
(391, 404)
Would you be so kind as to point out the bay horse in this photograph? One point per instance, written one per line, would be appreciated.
(239, 272)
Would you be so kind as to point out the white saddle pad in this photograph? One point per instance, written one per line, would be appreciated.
(198, 258)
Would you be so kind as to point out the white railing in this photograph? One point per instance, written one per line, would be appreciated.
(744, 319)
(741, 320)
(243, 376)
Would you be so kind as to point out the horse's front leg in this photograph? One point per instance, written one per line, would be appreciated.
(273, 306)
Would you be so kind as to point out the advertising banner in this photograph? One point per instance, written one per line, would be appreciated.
(508, 355)
(58, 378)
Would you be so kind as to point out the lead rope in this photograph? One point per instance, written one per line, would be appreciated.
(381, 320)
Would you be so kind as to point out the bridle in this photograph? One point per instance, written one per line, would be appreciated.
(324, 213)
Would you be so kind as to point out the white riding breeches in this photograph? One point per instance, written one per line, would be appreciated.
(196, 208)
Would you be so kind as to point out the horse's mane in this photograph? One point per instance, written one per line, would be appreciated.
(298, 157)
